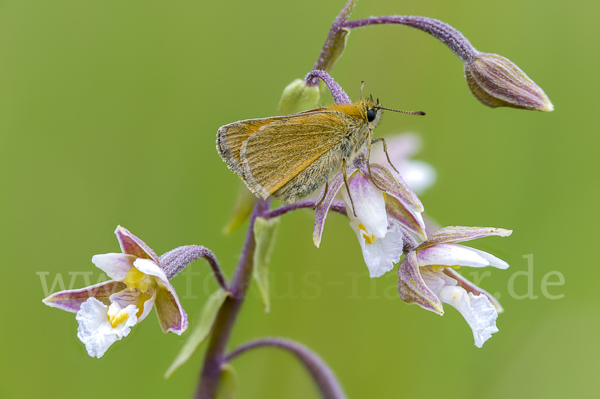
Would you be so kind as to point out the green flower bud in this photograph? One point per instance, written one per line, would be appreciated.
(298, 96)
(498, 82)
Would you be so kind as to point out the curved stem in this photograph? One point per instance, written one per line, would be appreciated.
(177, 259)
(338, 94)
(337, 206)
(221, 330)
(451, 37)
(332, 43)
(321, 373)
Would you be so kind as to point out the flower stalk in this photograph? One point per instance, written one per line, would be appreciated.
(338, 94)
(448, 35)
(177, 259)
(324, 378)
(336, 206)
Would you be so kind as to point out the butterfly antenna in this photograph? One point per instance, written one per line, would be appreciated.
(362, 86)
(405, 112)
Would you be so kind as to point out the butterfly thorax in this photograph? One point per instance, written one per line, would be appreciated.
(361, 118)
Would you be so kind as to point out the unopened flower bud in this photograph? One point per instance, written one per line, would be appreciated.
(498, 82)
(298, 96)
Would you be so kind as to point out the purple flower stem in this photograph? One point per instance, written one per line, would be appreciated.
(337, 206)
(440, 30)
(339, 95)
(177, 259)
(323, 376)
(227, 315)
(328, 50)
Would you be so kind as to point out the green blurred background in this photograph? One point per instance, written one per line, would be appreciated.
(108, 115)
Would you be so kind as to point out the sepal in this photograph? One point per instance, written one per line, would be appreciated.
(71, 300)
(132, 245)
(411, 287)
(454, 234)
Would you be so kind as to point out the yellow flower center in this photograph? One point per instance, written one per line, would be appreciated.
(116, 315)
(369, 238)
(136, 279)
(140, 304)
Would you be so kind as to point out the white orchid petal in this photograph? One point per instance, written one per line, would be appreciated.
(96, 331)
(492, 260)
(381, 254)
(369, 203)
(450, 255)
(149, 267)
(114, 265)
(478, 311)
(436, 281)
(470, 287)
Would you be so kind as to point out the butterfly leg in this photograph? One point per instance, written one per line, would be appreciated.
(323, 197)
(369, 143)
(344, 160)
(385, 150)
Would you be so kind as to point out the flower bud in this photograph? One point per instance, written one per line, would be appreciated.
(298, 96)
(498, 82)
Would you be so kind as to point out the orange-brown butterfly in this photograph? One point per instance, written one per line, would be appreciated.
(290, 156)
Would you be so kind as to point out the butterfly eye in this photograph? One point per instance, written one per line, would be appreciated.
(371, 114)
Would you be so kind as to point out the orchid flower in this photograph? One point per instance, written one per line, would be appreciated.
(107, 311)
(382, 217)
(427, 278)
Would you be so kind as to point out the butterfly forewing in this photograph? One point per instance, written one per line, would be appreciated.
(230, 137)
(282, 150)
